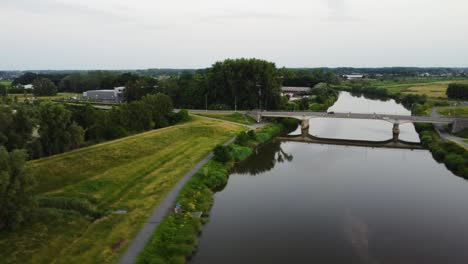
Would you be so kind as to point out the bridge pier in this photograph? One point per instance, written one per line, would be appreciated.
(396, 132)
(304, 127)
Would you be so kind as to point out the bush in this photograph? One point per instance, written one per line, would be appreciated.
(222, 153)
(426, 140)
(181, 116)
(439, 154)
(251, 134)
(455, 162)
(240, 152)
(242, 139)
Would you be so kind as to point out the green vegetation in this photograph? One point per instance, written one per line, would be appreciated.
(27, 97)
(175, 239)
(44, 87)
(322, 98)
(235, 117)
(15, 189)
(454, 156)
(78, 193)
(453, 110)
(457, 91)
(463, 133)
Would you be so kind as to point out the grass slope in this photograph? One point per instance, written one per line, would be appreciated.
(235, 117)
(132, 174)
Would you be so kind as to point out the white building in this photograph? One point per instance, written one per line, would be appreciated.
(107, 96)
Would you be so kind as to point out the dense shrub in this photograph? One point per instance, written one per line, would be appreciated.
(242, 139)
(222, 153)
(454, 156)
(251, 134)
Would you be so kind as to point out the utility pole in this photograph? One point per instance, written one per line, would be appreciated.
(206, 102)
(235, 103)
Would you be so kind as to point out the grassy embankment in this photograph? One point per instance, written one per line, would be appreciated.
(80, 191)
(175, 239)
(454, 156)
(235, 117)
(453, 111)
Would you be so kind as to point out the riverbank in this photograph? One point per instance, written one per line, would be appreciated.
(175, 239)
(454, 156)
(92, 201)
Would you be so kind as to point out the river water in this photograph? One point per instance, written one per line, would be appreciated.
(296, 202)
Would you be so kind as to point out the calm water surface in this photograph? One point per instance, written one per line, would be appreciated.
(307, 203)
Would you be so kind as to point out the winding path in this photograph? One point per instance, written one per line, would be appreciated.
(166, 205)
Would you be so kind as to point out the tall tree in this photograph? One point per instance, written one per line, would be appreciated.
(15, 188)
(44, 87)
(54, 123)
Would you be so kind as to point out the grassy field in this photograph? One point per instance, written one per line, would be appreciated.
(236, 117)
(5, 82)
(453, 111)
(22, 97)
(431, 89)
(132, 174)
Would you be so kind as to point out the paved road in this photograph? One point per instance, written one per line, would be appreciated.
(444, 134)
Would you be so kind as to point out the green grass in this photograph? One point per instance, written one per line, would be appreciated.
(5, 82)
(430, 87)
(453, 111)
(235, 117)
(463, 133)
(175, 238)
(133, 174)
(23, 97)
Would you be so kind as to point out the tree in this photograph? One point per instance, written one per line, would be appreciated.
(54, 123)
(160, 106)
(3, 90)
(15, 188)
(457, 91)
(44, 87)
(77, 135)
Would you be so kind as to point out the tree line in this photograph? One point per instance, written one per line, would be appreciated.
(30, 131)
(229, 84)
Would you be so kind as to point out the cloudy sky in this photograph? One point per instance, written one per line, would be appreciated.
(124, 34)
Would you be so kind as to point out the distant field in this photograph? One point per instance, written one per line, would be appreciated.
(22, 97)
(431, 89)
(453, 111)
(236, 117)
(132, 174)
(5, 82)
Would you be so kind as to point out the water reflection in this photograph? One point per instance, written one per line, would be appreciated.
(264, 159)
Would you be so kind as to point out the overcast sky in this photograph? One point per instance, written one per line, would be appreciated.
(124, 34)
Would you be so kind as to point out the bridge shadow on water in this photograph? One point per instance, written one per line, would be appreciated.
(307, 138)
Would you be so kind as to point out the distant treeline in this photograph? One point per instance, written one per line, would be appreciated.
(230, 84)
(457, 91)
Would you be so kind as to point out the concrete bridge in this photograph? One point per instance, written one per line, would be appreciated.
(458, 123)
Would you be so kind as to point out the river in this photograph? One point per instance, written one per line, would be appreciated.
(296, 202)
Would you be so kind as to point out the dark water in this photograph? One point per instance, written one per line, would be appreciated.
(307, 203)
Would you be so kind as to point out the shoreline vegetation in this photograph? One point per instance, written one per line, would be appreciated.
(175, 239)
(454, 156)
